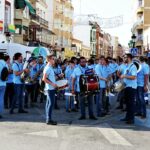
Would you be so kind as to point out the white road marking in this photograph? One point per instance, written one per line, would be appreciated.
(113, 136)
(50, 133)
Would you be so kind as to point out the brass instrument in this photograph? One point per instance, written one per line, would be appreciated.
(120, 85)
(35, 77)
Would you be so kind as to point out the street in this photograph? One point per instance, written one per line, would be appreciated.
(29, 132)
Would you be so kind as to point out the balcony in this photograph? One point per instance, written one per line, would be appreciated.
(18, 14)
(139, 40)
(138, 24)
(39, 20)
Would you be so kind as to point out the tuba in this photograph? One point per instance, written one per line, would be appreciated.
(137, 63)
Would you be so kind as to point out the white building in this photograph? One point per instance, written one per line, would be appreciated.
(6, 20)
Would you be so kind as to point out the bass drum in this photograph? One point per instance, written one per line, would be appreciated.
(89, 83)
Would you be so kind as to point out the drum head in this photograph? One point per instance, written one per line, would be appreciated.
(61, 83)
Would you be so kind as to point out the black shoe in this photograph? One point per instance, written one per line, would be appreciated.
(92, 118)
(74, 110)
(22, 111)
(101, 115)
(130, 122)
(124, 119)
(143, 116)
(1, 117)
(82, 118)
(51, 122)
(119, 107)
(57, 108)
(138, 114)
(11, 112)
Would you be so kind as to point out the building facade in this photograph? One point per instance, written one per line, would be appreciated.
(63, 23)
(141, 26)
(7, 28)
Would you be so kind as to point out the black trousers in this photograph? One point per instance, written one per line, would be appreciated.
(9, 93)
(130, 96)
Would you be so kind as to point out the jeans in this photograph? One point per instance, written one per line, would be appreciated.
(2, 91)
(30, 91)
(100, 101)
(50, 104)
(120, 98)
(82, 99)
(141, 105)
(130, 95)
(9, 94)
(69, 102)
(18, 96)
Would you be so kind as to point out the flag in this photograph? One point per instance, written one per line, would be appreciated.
(11, 28)
(1, 25)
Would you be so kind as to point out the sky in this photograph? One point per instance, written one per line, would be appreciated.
(109, 9)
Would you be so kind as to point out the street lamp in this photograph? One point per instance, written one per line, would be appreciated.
(133, 37)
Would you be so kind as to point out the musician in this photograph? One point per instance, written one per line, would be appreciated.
(40, 67)
(142, 87)
(18, 85)
(59, 75)
(2, 84)
(50, 87)
(121, 71)
(78, 71)
(103, 71)
(31, 85)
(69, 100)
(130, 79)
(9, 92)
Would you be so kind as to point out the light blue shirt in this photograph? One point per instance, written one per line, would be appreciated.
(17, 67)
(48, 70)
(113, 67)
(140, 76)
(57, 70)
(68, 75)
(38, 67)
(122, 68)
(78, 71)
(104, 72)
(10, 77)
(2, 65)
(131, 70)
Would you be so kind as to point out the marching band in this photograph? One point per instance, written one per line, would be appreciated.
(77, 81)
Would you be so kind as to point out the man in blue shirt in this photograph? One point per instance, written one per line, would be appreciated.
(39, 68)
(18, 84)
(9, 93)
(103, 71)
(50, 88)
(30, 87)
(78, 71)
(2, 84)
(142, 86)
(130, 79)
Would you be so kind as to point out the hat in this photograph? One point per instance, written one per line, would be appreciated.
(31, 59)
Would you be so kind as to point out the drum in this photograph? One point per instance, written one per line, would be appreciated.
(62, 84)
(118, 86)
(89, 83)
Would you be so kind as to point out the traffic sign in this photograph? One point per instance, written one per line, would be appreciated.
(134, 51)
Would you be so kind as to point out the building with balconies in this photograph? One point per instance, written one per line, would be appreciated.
(141, 27)
(31, 21)
(7, 27)
(63, 23)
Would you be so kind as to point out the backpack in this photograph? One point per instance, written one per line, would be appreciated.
(4, 74)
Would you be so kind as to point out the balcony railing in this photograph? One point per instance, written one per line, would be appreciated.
(39, 19)
(140, 3)
(139, 38)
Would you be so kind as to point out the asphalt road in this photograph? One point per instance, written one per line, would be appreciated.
(29, 132)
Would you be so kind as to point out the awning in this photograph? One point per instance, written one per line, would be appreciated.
(31, 9)
(11, 28)
(21, 4)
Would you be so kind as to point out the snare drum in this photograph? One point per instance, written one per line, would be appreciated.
(89, 83)
(62, 84)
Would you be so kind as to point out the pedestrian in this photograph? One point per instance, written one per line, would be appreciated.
(50, 88)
